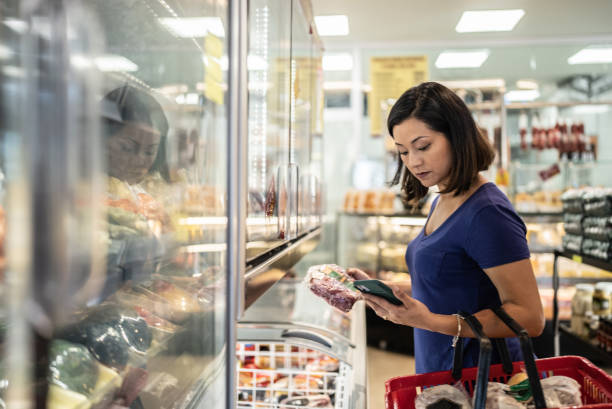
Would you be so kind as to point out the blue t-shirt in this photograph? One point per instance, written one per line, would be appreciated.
(446, 269)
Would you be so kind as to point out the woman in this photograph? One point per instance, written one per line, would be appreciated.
(472, 253)
(135, 128)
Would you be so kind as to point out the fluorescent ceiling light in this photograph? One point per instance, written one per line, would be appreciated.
(592, 55)
(521, 95)
(194, 27)
(489, 20)
(19, 26)
(332, 25)
(115, 63)
(485, 83)
(338, 62)
(526, 84)
(462, 59)
(5, 52)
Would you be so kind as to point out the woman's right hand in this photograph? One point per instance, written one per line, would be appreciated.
(357, 274)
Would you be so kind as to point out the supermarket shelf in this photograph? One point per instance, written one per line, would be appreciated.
(579, 258)
(542, 104)
(547, 280)
(549, 216)
(371, 214)
(593, 352)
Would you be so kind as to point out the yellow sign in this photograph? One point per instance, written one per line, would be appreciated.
(213, 46)
(389, 78)
(213, 75)
(213, 90)
(577, 258)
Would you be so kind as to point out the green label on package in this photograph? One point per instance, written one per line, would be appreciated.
(342, 279)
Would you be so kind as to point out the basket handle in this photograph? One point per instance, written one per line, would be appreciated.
(484, 360)
(527, 350)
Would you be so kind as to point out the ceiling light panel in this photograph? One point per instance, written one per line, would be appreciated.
(592, 55)
(489, 20)
(336, 25)
(462, 59)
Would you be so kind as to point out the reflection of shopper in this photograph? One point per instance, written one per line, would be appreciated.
(472, 254)
(136, 128)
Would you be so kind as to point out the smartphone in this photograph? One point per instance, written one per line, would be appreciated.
(377, 288)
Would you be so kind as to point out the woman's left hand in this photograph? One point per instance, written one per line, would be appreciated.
(412, 312)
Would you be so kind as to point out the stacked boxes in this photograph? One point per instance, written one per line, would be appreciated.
(588, 222)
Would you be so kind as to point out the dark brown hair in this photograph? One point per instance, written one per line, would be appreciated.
(442, 111)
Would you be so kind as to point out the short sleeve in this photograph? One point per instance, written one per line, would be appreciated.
(496, 236)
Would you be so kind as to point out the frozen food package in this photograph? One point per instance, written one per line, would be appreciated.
(567, 390)
(442, 395)
(312, 401)
(572, 201)
(334, 285)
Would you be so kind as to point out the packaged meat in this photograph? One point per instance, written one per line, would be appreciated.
(334, 285)
(71, 366)
(442, 394)
(312, 401)
(566, 389)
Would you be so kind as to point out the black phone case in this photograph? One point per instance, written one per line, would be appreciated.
(377, 288)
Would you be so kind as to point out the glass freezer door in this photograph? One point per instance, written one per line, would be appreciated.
(118, 112)
(269, 177)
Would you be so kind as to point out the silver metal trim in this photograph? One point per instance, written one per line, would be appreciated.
(255, 271)
(237, 189)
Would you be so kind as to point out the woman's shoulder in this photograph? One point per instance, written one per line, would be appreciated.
(490, 195)
(492, 204)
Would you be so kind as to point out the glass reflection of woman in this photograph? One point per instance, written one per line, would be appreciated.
(135, 128)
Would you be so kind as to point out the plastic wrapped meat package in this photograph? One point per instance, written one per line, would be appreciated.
(334, 285)
(561, 389)
(442, 396)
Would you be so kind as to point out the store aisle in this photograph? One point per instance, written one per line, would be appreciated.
(383, 365)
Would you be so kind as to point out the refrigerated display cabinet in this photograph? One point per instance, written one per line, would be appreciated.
(127, 147)
(301, 349)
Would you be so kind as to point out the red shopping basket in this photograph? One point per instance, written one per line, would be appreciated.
(401, 392)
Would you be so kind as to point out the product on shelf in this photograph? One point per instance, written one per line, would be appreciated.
(72, 367)
(582, 302)
(573, 223)
(393, 258)
(572, 200)
(572, 243)
(598, 202)
(597, 228)
(539, 201)
(597, 249)
(601, 299)
(310, 401)
(369, 201)
(334, 285)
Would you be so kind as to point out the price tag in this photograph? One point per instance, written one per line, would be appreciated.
(577, 258)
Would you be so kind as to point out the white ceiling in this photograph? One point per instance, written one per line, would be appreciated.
(538, 47)
(434, 21)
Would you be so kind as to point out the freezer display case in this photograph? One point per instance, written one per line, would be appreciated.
(116, 115)
(283, 179)
(377, 243)
(125, 131)
(301, 353)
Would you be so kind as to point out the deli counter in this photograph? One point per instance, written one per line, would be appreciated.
(159, 171)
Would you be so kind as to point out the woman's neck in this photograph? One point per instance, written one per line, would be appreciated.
(450, 196)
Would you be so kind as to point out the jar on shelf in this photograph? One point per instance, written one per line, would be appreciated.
(601, 298)
(582, 302)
